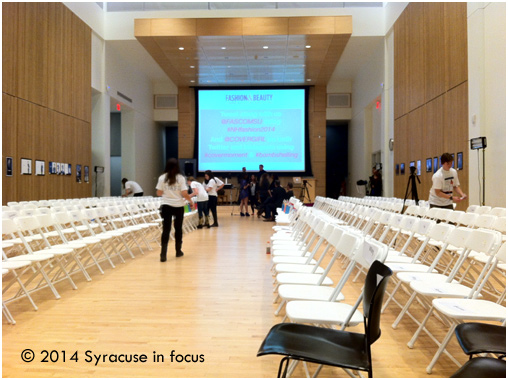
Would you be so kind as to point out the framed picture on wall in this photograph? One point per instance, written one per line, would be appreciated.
(9, 166)
(87, 173)
(428, 165)
(51, 167)
(397, 169)
(453, 160)
(459, 161)
(57, 167)
(411, 163)
(419, 167)
(436, 163)
(69, 169)
(78, 173)
(40, 167)
(26, 166)
(402, 169)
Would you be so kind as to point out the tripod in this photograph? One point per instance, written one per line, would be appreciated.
(414, 191)
(305, 191)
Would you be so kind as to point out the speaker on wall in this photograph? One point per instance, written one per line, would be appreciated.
(188, 166)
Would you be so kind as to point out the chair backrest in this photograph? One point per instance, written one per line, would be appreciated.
(432, 213)
(455, 216)
(499, 224)
(27, 223)
(407, 222)
(423, 226)
(468, 219)
(443, 213)
(440, 231)
(483, 210)
(9, 226)
(369, 251)
(472, 208)
(459, 236)
(498, 211)
(336, 236)
(373, 293)
(485, 221)
(348, 243)
(483, 240)
(501, 253)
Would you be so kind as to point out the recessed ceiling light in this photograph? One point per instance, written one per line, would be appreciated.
(308, 80)
(223, 48)
(307, 46)
(181, 48)
(192, 81)
(191, 67)
(265, 47)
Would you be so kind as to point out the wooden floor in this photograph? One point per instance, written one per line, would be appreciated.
(216, 301)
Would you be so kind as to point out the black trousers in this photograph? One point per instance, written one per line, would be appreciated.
(138, 194)
(212, 206)
(167, 213)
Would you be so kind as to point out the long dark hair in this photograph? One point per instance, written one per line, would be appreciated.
(172, 170)
(264, 180)
(210, 176)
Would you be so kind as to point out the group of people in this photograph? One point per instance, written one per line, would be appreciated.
(176, 191)
(262, 194)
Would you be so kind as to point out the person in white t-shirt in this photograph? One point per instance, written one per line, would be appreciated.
(172, 187)
(212, 185)
(131, 187)
(444, 182)
(200, 193)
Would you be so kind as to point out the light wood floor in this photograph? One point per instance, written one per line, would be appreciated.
(216, 301)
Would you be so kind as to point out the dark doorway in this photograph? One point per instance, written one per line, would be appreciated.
(171, 142)
(336, 158)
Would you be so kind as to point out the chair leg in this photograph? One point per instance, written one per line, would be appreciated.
(441, 348)
(284, 360)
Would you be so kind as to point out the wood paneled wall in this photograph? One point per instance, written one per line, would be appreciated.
(430, 90)
(46, 97)
(317, 131)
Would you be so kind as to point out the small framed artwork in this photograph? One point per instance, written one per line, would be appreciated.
(68, 170)
(397, 169)
(26, 166)
(9, 168)
(459, 161)
(436, 164)
(402, 169)
(419, 167)
(453, 160)
(57, 168)
(40, 167)
(78, 173)
(428, 165)
(51, 169)
(87, 173)
(411, 163)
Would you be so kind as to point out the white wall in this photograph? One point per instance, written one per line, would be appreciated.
(367, 86)
(142, 155)
(387, 104)
(487, 99)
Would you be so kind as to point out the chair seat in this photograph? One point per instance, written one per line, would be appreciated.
(293, 292)
(298, 268)
(442, 289)
(407, 277)
(479, 368)
(302, 278)
(470, 309)
(477, 338)
(322, 312)
(315, 344)
(15, 264)
(408, 267)
(30, 257)
(292, 260)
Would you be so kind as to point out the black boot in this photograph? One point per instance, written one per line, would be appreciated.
(163, 254)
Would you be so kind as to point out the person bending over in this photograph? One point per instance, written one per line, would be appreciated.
(202, 201)
(212, 185)
(444, 182)
(131, 187)
(173, 190)
(278, 195)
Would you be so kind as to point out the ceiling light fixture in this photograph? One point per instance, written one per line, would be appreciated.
(307, 46)
(192, 81)
(181, 48)
(265, 47)
(223, 48)
(308, 80)
(191, 67)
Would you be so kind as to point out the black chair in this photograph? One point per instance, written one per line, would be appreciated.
(481, 338)
(324, 346)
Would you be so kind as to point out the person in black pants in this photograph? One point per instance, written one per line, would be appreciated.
(212, 185)
(173, 189)
(263, 193)
(278, 195)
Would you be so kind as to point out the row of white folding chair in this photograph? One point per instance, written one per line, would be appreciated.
(484, 241)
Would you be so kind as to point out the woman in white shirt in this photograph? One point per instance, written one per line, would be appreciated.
(173, 189)
(212, 185)
(200, 193)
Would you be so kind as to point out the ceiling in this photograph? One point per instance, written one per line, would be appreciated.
(246, 51)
